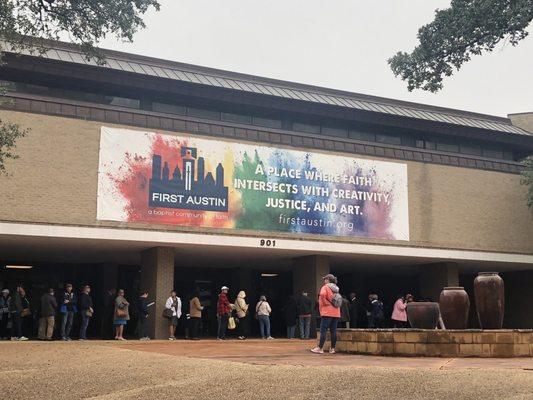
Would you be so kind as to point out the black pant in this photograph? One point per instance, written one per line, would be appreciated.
(142, 326)
(194, 323)
(222, 325)
(243, 328)
(3, 326)
(16, 329)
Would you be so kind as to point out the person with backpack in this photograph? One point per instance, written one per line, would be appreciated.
(375, 312)
(329, 304)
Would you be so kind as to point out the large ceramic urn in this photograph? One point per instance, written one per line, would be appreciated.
(490, 299)
(423, 314)
(454, 306)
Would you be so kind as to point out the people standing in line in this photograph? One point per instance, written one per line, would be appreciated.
(173, 304)
(291, 315)
(329, 314)
(195, 312)
(375, 312)
(241, 308)
(354, 311)
(4, 314)
(15, 309)
(86, 310)
(224, 308)
(344, 322)
(47, 315)
(305, 311)
(67, 310)
(122, 314)
(108, 313)
(263, 311)
(142, 311)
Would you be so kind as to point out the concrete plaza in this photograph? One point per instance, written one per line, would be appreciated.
(252, 369)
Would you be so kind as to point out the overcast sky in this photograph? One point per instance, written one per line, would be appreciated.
(341, 44)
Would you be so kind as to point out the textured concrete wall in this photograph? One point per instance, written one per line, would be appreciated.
(157, 277)
(55, 181)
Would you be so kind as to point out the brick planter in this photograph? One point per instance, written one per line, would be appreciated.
(437, 343)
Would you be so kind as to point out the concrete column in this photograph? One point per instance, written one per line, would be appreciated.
(157, 277)
(307, 276)
(434, 277)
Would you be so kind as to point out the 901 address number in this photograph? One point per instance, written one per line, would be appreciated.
(267, 243)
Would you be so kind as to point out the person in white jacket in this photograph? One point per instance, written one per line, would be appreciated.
(263, 310)
(174, 305)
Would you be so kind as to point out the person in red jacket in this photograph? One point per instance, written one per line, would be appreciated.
(224, 308)
(329, 314)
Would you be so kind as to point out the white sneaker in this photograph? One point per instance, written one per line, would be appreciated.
(332, 351)
(171, 338)
(270, 338)
(317, 350)
(23, 338)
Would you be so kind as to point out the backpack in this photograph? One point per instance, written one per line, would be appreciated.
(336, 301)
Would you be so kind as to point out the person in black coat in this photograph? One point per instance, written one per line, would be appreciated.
(15, 309)
(47, 315)
(354, 311)
(304, 309)
(142, 309)
(86, 310)
(291, 316)
(345, 313)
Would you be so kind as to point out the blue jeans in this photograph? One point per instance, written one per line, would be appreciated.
(264, 326)
(305, 326)
(331, 323)
(84, 324)
(290, 331)
(66, 324)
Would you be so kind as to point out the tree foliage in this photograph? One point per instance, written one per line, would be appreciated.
(465, 29)
(527, 179)
(30, 25)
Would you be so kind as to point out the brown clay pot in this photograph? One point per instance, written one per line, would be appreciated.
(423, 314)
(490, 299)
(454, 306)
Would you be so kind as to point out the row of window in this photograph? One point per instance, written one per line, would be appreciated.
(469, 148)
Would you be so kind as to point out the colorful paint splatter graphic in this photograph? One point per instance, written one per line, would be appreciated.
(152, 178)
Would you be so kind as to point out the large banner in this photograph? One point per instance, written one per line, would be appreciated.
(180, 180)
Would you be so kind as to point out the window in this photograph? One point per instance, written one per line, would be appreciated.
(429, 145)
(449, 147)
(419, 143)
(389, 139)
(492, 152)
(330, 131)
(168, 108)
(471, 149)
(237, 118)
(267, 122)
(366, 136)
(300, 127)
(202, 113)
(124, 102)
(408, 141)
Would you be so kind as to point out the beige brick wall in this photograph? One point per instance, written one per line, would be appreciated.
(55, 181)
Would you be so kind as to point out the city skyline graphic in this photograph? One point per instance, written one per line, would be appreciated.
(189, 187)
